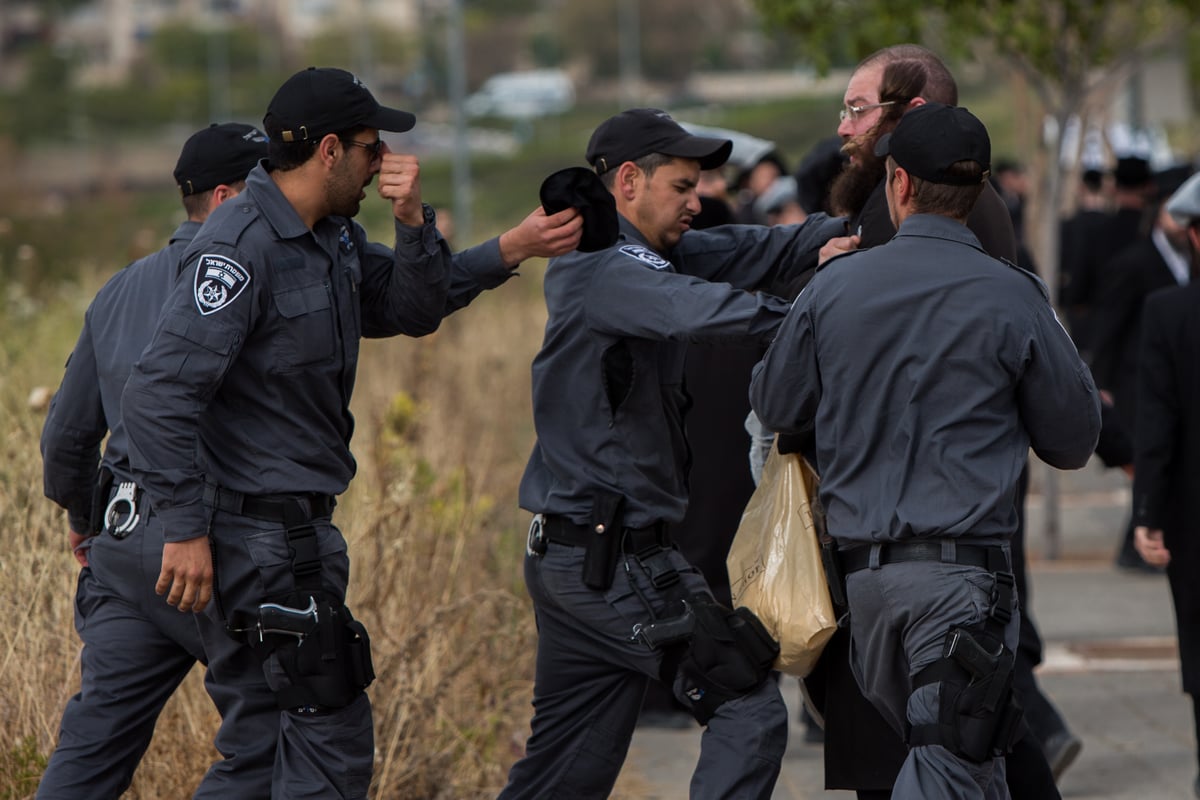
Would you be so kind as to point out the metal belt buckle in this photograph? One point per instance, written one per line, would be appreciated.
(122, 504)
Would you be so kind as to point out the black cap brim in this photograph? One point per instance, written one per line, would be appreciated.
(390, 119)
(711, 153)
(883, 145)
(582, 189)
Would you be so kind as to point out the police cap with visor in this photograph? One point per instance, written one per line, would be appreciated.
(321, 100)
(931, 138)
(639, 132)
(219, 154)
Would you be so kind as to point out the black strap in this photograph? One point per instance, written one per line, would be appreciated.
(289, 509)
(562, 530)
(989, 557)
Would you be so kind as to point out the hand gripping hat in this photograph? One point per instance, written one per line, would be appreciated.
(218, 154)
(321, 100)
(579, 187)
(639, 132)
(932, 137)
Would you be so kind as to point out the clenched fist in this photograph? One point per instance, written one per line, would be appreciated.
(400, 182)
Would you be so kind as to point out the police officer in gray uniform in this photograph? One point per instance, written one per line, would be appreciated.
(616, 604)
(136, 648)
(926, 369)
(250, 374)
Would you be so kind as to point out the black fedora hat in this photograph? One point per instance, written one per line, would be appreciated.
(580, 188)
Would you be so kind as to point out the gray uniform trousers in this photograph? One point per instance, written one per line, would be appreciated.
(328, 754)
(899, 617)
(137, 649)
(591, 677)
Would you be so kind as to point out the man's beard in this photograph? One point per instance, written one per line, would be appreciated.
(858, 179)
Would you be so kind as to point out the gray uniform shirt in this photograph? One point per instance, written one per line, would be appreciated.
(118, 324)
(608, 396)
(927, 369)
(252, 365)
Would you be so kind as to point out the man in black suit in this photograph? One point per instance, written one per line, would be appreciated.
(1167, 444)
(1149, 263)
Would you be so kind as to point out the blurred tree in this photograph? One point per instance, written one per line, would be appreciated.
(677, 36)
(1068, 52)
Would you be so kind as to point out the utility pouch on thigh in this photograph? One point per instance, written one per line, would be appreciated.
(604, 545)
(729, 655)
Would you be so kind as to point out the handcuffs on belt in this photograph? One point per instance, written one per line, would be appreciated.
(126, 495)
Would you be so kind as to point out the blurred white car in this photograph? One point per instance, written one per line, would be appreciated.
(521, 95)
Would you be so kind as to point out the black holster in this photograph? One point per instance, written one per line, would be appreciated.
(100, 492)
(979, 716)
(729, 654)
(604, 545)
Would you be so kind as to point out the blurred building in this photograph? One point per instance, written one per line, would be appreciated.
(108, 33)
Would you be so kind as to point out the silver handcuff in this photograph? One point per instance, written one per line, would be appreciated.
(122, 504)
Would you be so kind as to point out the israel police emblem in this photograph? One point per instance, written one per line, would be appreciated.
(219, 280)
(646, 256)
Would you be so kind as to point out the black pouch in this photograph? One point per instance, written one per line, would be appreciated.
(604, 545)
(757, 642)
(730, 654)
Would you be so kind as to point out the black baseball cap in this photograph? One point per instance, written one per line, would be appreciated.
(580, 188)
(219, 154)
(639, 132)
(323, 100)
(932, 137)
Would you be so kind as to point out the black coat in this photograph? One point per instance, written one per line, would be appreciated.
(1129, 278)
(1166, 484)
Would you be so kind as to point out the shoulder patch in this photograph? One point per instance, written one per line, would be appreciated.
(218, 282)
(646, 256)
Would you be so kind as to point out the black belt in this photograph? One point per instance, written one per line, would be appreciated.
(989, 557)
(561, 530)
(291, 509)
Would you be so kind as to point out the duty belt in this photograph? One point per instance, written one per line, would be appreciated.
(636, 540)
(989, 557)
(290, 509)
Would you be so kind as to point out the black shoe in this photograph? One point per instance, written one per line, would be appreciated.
(1061, 750)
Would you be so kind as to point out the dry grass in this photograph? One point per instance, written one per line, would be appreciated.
(435, 538)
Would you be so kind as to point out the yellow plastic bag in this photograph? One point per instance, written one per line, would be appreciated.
(775, 566)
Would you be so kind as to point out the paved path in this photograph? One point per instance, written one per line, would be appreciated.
(1111, 667)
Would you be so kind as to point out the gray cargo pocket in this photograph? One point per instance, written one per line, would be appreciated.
(271, 556)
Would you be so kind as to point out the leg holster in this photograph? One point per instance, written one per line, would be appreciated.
(729, 654)
(979, 717)
(327, 654)
(328, 668)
